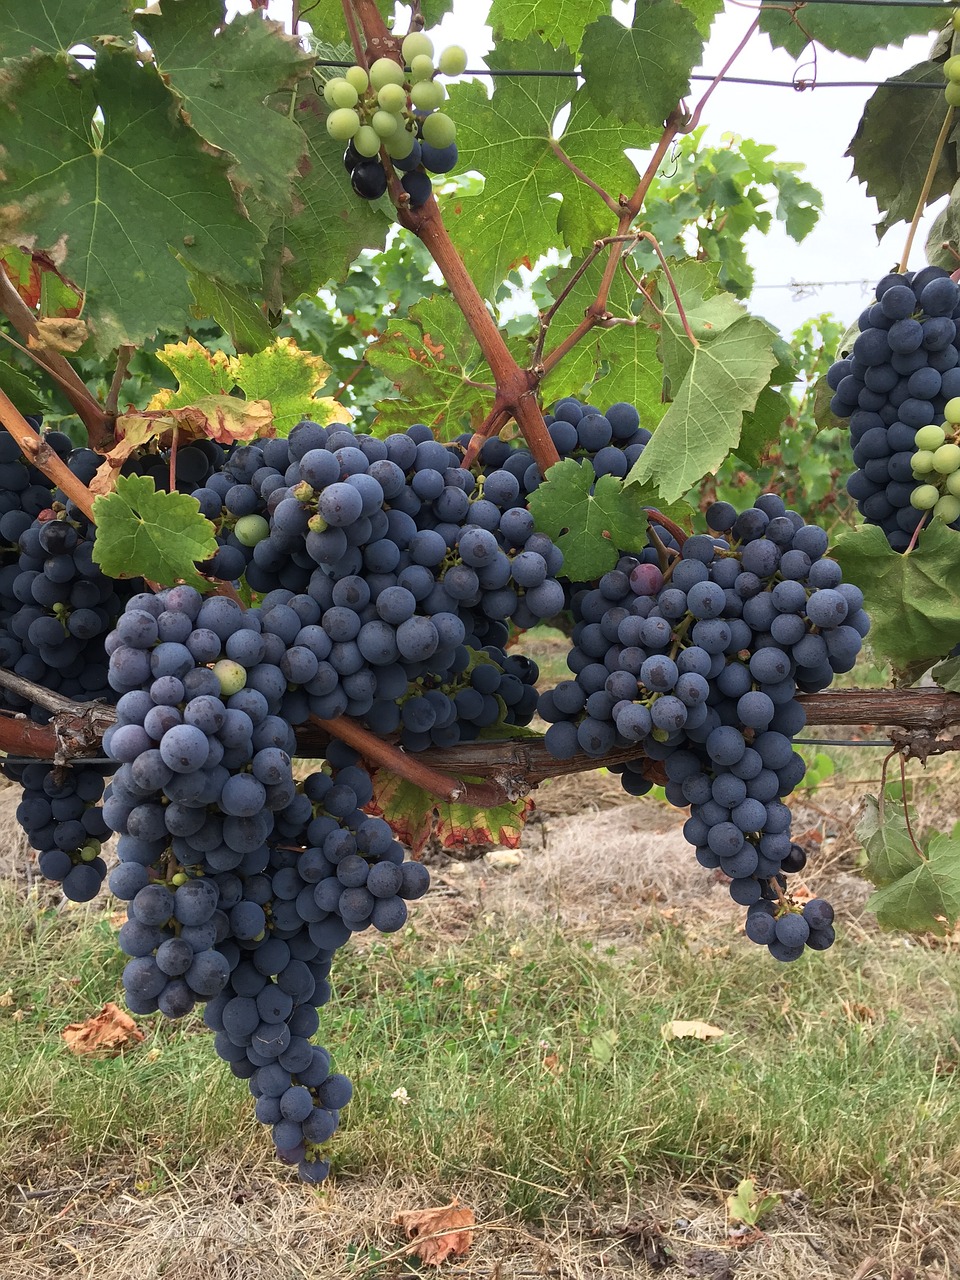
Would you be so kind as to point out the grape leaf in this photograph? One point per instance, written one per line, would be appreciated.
(886, 841)
(893, 144)
(319, 241)
(596, 144)
(288, 378)
(54, 26)
(559, 22)
(723, 380)
(762, 425)
(823, 415)
(592, 521)
(945, 232)
(107, 200)
(835, 27)
(431, 357)
(927, 898)
(222, 73)
(704, 12)
(507, 138)
(639, 73)
(233, 309)
(947, 675)
(19, 387)
(199, 372)
(414, 816)
(914, 600)
(145, 534)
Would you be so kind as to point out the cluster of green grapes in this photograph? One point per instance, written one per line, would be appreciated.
(951, 69)
(936, 465)
(400, 111)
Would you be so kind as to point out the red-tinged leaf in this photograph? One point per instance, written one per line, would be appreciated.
(458, 825)
(105, 1034)
(438, 1234)
(415, 817)
(38, 280)
(408, 809)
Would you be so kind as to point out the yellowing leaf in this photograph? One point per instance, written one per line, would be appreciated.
(602, 1046)
(680, 1030)
(748, 1205)
(438, 1234)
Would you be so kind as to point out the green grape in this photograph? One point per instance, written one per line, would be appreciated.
(947, 459)
(415, 45)
(343, 124)
(250, 530)
(953, 484)
(951, 410)
(385, 71)
(922, 462)
(421, 68)
(453, 61)
(947, 509)
(392, 97)
(385, 123)
(428, 95)
(342, 93)
(439, 130)
(399, 144)
(358, 78)
(232, 676)
(952, 93)
(951, 68)
(931, 437)
(924, 498)
(367, 141)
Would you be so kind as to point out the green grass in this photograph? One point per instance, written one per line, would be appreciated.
(799, 1089)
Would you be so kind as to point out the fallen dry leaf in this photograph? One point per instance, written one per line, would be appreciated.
(63, 333)
(438, 1234)
(6, 1000)
(857, 1012)
(108, 1033)
(690, 1031)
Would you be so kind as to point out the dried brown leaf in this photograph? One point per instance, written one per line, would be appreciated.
(106, 1033)
(438, 1234)
(679, 1030)
(60, 332)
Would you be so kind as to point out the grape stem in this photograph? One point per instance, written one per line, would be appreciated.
(914, 537)
(124, 356)
(906, 808)
(43, 457)
(84, 404)
(932, 167)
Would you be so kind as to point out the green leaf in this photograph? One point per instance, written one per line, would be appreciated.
(835, 27)
(722, 382)
(429, 357)
(894, 141)
(233, 309)
(318, 242)
(640, 73)
(913, 600)
(289, 379)
(591, 521)
(222, 73)
(596, 145)
(145, 534)
(947, 675)
(19, 386)
(110, 207)
(507, 138)
(54, 26)
(926, 899)
(823, 415)
(762, 425)
(886, 841)
(556, 21)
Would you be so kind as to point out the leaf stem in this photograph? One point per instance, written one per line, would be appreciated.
(906, 808)
(43, 457)
(915, 536)
(605, 196)
(938, 146)
(124, 356)
(698, 110)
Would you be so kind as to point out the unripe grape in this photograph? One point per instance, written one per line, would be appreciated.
(439, 130)
(399, 144)
(951, 410)
(428, 95)
(931, 437)
(415, 45)
(952, 93)
(947, 459)
(385, 71)
(951, 68)
(392, 97)
(340, 93)
(367, 141)
(358, 78)
(421, 68)
(342, 124)
(924, 498)
(953, 484)
(385, 123)
(453, 61)
(249, 530)
(232, 676)
(947, 509)
(922, 462)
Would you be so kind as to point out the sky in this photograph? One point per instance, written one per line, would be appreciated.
(813, 127)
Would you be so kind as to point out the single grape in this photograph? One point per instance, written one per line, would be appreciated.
(385, 71)
(421, 68)
(342, 124)
(392, 97)
(415, 45)
(358, 77)
(384, 124)
(367, 141)
(439, 130)
(341, 93)
(930, 437)
(946, 460)
(925, 497)
(428, 95)
(453, 60)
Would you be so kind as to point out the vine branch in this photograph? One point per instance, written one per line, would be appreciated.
(42, 456)
(938, 146)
